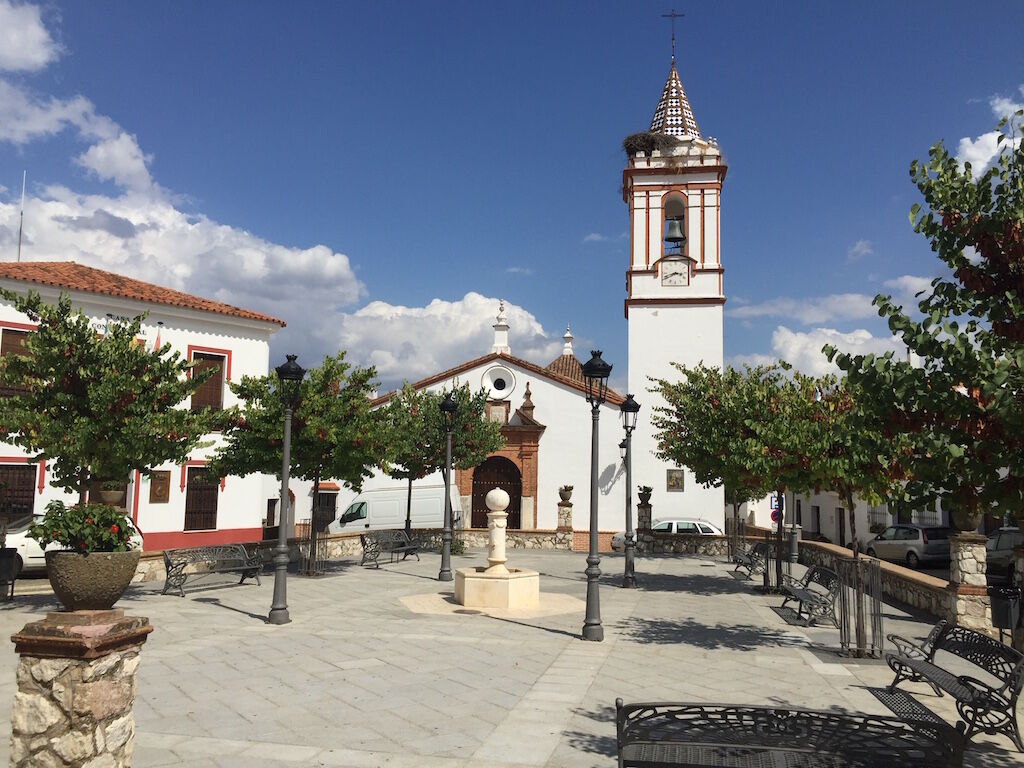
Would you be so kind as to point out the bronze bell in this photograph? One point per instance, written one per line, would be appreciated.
(674, 232)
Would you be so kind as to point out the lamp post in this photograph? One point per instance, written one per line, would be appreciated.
(629, 409)
(448, 408)
(289, 375)
(595, 374)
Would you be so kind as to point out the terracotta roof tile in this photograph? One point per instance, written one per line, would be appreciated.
(78, 277)
(567, 366)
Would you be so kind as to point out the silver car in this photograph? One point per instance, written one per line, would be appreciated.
(689, 526)
(911, 544)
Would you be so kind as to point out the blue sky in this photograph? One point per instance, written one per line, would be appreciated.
(379, 174)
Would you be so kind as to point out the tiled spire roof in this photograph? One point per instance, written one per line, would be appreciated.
(674, 115)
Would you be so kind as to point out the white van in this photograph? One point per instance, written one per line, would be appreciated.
(385, 508)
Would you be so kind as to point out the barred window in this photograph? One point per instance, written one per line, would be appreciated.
(201, 492)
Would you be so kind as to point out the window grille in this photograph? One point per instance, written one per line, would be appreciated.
(201, 494)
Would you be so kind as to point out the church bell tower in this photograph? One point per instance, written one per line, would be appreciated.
(672, 186)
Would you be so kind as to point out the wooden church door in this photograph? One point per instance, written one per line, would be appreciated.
(497, 472)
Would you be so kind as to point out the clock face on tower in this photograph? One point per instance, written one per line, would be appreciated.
(675, 273)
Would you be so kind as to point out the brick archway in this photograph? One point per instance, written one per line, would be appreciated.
(521, 445)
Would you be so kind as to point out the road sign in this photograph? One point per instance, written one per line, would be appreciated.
(775, 515)
(775, 502)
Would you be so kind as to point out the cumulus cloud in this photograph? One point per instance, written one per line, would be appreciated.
(595, 237)
(118, 160)
(859, 250)
(803, 349)
(25, 116)
(25, 43)
(908, 285)
(837, 306)
(413, 342)
(982, 151)
(753, 360)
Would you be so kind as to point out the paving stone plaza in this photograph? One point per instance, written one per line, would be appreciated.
(381, 668)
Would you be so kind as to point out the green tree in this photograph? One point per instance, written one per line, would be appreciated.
(961, 407)
(703, 426)
(416, 435)
(335, 434)
(96, 406)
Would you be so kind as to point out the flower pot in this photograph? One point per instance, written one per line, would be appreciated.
(565, 494)
(115, 497)
(645, 497)
(93, 581)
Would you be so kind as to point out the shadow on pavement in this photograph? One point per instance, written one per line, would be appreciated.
(216, 601)
(692, 583)
(729, 636)
(598, 744)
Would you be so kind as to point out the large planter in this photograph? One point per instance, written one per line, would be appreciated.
(114, 497)
(565, 492)
(90, 582)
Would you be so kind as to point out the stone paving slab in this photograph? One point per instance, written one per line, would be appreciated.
(379, 668)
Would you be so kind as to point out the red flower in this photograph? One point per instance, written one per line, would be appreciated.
(88, 519)
(113, 529)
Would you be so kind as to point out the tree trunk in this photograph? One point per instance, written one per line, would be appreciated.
(83, 484)
(311, 560)
(858, 584)
(408, 510)
(780, 538)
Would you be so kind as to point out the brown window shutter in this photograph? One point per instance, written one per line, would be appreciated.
(201, 493)
(12, 343)
(211, 392)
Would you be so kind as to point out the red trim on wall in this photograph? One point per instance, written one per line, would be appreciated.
(213, 351)
(24, 460)
(14, 326)
(180, 539)
(194, 463)
(135, 498)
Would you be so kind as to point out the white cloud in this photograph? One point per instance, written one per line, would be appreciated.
(24, 116)
(413, 342)
(908, 285)
(859, 250)
(753, 360)
(25, 44)
(526, 271)
(982, 151)
(594, 237)
(119, 160)
(837, 306)
(803, 349)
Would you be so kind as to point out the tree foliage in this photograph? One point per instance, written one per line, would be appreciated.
(335, 434)
(96, 406)
(962, 408)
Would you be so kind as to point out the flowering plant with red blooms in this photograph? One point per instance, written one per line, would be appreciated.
(84, 528)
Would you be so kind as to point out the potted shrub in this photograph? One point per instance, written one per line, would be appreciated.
(97, 558)
(645, 492)
(565, 492)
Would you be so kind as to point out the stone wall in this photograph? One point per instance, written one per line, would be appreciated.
(971, 607)
(649, 543)
(918, 590)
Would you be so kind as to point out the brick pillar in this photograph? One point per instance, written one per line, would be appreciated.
(76, 687)
(1018, 581)
(644, 537)
(970, 605)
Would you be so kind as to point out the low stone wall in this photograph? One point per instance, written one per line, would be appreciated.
(649, 543)
(917, 590)
(476, 538)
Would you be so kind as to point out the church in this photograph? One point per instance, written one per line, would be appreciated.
(672, 186)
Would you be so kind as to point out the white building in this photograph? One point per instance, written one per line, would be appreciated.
(173, 507)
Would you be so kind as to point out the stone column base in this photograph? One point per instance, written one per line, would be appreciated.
(76, 688)
(969, 601)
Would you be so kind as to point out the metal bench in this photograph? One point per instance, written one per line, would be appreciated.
(393, 542)
(666, 734)
(752, 559)
(989, 707)
(180, 564)
(815, 593)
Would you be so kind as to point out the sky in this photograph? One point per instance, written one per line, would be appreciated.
(380, 174)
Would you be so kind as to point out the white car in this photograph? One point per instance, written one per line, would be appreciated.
(689, 526)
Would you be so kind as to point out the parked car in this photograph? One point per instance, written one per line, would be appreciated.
(911, 544)
(691, 526)
(999, 554)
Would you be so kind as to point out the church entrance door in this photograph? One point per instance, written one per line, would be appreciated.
(497, 472)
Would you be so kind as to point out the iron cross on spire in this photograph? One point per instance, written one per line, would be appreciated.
(673, 15)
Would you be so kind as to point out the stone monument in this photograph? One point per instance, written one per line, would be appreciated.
(497, 586)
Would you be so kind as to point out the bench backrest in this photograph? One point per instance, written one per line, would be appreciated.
(825, 578)
(205, 554)
(999, 660)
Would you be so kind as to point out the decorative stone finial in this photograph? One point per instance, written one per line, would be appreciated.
(567, 338)
(497, 500)
(501, 332)
(527, 407)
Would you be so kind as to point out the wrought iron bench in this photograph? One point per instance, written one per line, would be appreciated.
(391, 542)
(666, 734)
(752, 559)
(815, 594)
(180, 564)
(987, 706)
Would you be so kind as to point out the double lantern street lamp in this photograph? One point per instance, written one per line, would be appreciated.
(629, 410)
(448, 408)
(595, 374)
(289, 375)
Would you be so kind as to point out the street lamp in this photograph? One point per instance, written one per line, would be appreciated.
(448, 408)
(595, 375)
(289, 375)
(629, 409)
